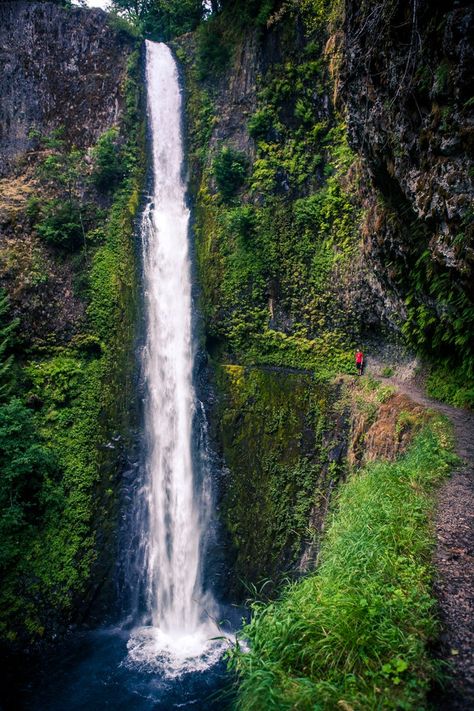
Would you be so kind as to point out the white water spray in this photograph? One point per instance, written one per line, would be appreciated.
(179, 613)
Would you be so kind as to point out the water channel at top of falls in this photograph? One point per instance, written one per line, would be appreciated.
(164, 654)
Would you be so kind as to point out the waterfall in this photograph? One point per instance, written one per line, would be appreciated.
(178, 623)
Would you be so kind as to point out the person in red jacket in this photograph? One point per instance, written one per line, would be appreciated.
(359, 361)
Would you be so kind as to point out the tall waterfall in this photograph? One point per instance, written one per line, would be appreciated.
(179, 615)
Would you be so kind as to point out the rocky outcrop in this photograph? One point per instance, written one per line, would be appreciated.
(407, 85)
(73, 301)
(60, 67)
(386, 435)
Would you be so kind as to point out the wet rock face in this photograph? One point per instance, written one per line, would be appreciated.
(59, 67)
(407, 84)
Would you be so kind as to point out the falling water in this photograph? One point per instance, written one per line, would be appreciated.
(178, 623)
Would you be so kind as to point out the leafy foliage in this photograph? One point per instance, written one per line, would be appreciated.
(61, 221)
(440, 314)
(58, 472)
(213, 48)
(161, 20)
(229, 169)
(450, 385)
(27, 466)
(8, 327)
(61, 224)
(25, 463)
(108, 162)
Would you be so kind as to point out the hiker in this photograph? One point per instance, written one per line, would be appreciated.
(359, 361)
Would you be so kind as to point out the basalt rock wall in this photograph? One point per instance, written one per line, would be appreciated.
(406, 87)
(59, 68)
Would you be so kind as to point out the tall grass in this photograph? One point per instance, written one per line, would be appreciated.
(354, 635)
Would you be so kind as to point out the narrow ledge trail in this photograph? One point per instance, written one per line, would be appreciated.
(454, 557)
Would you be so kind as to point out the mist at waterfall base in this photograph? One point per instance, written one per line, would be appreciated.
(167, 652)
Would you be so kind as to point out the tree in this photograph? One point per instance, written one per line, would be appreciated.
(229, 168)
(62, 220)
(162, 19)
(24, 462)
(7, 328)
(24, 466)
(108, 164)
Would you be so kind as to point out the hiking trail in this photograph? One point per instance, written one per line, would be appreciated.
(454, 556)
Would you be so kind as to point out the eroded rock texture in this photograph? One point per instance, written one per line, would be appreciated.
(407, 85)
(59, 68)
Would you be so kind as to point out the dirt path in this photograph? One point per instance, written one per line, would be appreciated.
(454, 558)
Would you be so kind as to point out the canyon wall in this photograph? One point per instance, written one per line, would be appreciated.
(71, 161)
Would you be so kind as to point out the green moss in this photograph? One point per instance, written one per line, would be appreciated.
(274, 262)
(273, 428)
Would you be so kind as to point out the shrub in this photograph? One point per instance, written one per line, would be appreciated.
(260, 123)
(242, 222)
(7, 329)
(229, 168)
(25, 463)
(213, 52)
(108, 165)
(60, 224)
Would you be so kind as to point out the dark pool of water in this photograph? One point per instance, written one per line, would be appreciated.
(86, 673)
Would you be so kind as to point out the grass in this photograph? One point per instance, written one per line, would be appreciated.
(355, 634)
(451, 385)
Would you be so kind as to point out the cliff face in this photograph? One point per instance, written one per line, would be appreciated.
(59, 68)
(407, 88)
(345, 222)
(62, 70)
(68, 196)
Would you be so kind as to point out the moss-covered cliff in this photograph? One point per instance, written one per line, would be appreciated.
(283, 445)
(327, 188)
(330, 169)
(276, 219)
(310, 236)
(72, 149)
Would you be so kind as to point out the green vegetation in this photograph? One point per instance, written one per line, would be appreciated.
(442, 325)
(213, 48)
(108, 166)
(229, 169)
(275, 432)
(8, 327)
(279, 248)
(355, 634)
(450, 385)
(160, 20)
(28, 467)
(64, 220)
(57, 493)
(276, 246)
